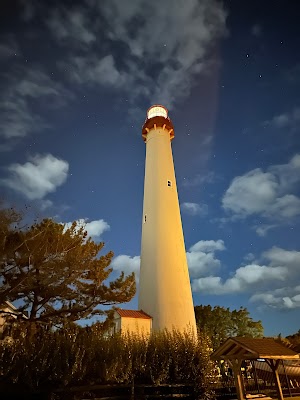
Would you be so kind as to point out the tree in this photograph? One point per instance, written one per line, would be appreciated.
(294, 340)
(219, 323)
(55, 272)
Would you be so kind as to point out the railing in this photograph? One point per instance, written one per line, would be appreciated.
(258, 378)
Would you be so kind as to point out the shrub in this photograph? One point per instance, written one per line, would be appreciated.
(76, 356)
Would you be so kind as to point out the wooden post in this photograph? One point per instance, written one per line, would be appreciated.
(274, 366)
(255, 376)
(236, 367)
(287, 379)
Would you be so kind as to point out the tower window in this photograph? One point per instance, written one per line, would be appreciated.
(145, 218)
(169, 183)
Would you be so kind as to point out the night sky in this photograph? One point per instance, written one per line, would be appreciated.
(76, 81)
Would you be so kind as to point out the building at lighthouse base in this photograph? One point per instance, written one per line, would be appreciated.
(131, 322)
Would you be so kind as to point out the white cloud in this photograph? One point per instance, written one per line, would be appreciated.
(97, 70)
(208, 246)
(275, 283)
(194, 208)
(200, 179)
(263, 229)
(159, 61)
(41, 175)
(179, 53)
(94, 228)
(278, 256)
(69, 25)
(286, 298)
(245, 279)
(201, 257)
(251, 193)
(288, 119)
(127, 264)
(17, 118)
(288, 175)
(265, 193)
(97, 227)
(287, 206)
(249, 257)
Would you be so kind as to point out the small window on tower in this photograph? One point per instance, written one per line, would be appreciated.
(169, 183)
(145, 218)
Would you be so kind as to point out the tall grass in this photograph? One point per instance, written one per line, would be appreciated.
(73, 356)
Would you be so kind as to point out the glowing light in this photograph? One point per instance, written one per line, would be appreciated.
(157, 111)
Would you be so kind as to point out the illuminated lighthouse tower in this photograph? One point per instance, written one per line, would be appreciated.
(165, 290)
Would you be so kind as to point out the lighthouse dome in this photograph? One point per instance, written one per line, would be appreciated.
(157, 111)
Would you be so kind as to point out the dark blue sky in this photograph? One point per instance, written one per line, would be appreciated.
(76, 81)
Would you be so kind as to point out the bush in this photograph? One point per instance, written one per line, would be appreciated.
(76, 356)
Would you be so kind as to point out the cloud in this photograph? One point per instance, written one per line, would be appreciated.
(265, 193)
(245, 279)
(256, 30)
(201, 257)
(94, 228)
(200, 179)
(287, 174)
(17, 116)
(127, 264)
(278, 256)
(195, 209)
(41, 175)
(8, 47)
(286, 298)
(289, 119)
(292, 74)
(28, 9)
(71, 25)
(156, 60)
(263, 229)
(249, 257)
(208, 246)
(94, 70)
(16, 119)
(273, 282)
(251, 193)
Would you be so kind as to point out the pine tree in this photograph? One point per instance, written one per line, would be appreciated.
(54, 272)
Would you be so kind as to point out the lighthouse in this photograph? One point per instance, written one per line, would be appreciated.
(164, 289)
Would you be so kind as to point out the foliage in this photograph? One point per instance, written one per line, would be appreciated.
(74, 356)
(55, 272)
(295, 338)
(292, 341)
(219, 323)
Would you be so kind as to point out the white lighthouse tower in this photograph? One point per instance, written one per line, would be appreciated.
(165, 290)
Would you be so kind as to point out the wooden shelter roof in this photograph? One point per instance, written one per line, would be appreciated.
(251, 348)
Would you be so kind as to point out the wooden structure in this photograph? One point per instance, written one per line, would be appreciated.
(236, 350)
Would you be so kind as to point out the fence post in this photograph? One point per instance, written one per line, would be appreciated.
(132, 389)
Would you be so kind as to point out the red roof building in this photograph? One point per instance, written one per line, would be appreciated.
(135, 322)
(132, 314)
